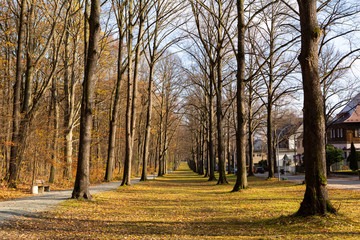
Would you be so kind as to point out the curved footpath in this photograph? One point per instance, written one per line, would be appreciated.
(38, 203)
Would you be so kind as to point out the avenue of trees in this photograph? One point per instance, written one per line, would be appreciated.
(100, 90)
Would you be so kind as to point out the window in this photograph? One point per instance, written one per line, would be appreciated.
(341, 132)
(356, 133)
(331, 136)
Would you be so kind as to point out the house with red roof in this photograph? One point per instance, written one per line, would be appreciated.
(345, 127)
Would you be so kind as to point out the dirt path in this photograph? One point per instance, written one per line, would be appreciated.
(45, 201)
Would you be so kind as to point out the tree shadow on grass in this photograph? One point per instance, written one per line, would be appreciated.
(285, 226)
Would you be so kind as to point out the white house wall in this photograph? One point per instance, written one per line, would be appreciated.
(290, 154)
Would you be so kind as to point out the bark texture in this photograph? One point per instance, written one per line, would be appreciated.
(148, 126)
(128, 136)
(14, 157)
(210, 130)
(241, 178)
(82, 181)
(316, 201)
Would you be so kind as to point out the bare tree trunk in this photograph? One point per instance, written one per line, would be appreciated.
(156, 154)
(26, 114)
(207, 158)
(197, 151)
(29, 107)
(139, 145)
(136, 70)
(251, 151)
(116, 105)
(69, 108)
(7, 120)
(269, 134)
(86, 30)
(166, 139)
(228, 146)
(201, 141)
(220, 137)
(56, 133)
(82, 181)
(250, 131)
(211, 140)
(219, 111)
(29, 74)
(14, 156)
(316, 200)
(161, 132)
(132, 90)
(128, 128)
(148, 126)
(241, 179)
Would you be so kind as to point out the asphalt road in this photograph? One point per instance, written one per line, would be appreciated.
(45, 201)
(334, 181)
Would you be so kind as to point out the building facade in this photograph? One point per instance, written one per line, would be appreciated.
(344, 129)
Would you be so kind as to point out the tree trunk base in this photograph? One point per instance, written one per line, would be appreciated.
(212, 178)
(312, 205)
(222, 182)
(313, 210)
(81, 195)
(125, 183)
(238, 188)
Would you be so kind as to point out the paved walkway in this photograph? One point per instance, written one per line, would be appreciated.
(45, 201)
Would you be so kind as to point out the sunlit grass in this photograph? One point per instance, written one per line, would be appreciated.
(184, 205)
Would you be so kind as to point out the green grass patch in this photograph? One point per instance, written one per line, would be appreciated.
(184, 205)
(347, 172)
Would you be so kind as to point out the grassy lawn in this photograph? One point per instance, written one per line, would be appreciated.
(183, 205)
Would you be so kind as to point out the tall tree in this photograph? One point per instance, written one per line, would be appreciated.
(220, 47)
(82, 181)
(273, 44)
(54, 108)
(35, 53)
(316, 200)
(165, 11)
(71, 76)
(133, 75)
(241, 178)
(119, 7)
(15, 158)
